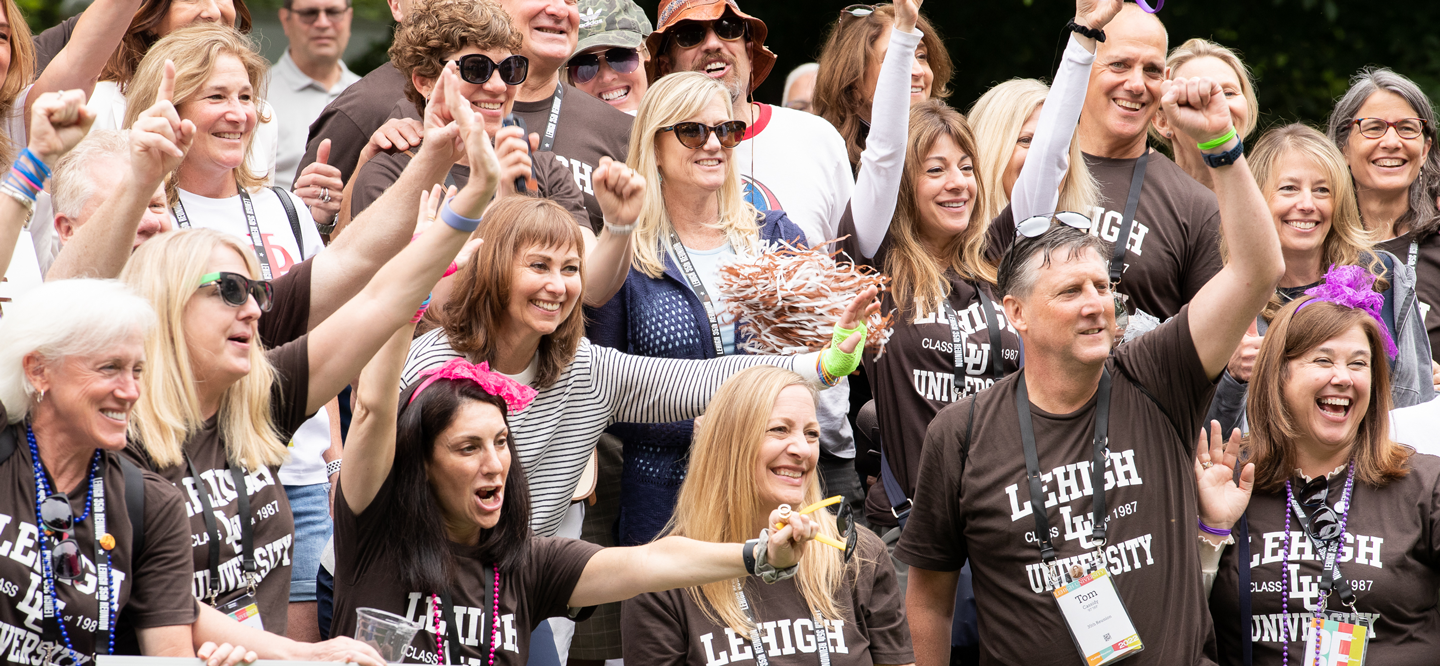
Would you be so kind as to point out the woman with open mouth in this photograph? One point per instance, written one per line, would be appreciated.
(1312, 200)
(433, 522)
(1340, 529)
(755, 451)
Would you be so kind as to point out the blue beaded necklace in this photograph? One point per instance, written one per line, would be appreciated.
(94, 500)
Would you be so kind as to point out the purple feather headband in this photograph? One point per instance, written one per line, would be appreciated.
(517, 396)
(1353, 287)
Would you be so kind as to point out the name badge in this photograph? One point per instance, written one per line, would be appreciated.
(243, 609)
(1337, 643)
(1096, 616)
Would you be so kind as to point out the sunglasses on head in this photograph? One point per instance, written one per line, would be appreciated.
(857, 11)
(1035, 227)
(236, 289)
(1324, 522)
(586, 66)
(59, 523)
(694, 135)
(477, 69)
(690, 34)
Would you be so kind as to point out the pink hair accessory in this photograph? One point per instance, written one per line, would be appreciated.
(517, 396)
(1353, 287)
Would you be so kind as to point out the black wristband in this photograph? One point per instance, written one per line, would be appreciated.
(1092, 33)
(750, 555)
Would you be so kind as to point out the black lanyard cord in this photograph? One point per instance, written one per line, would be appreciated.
(247, 532)
(1097, 468)
(257, 241)
(1132, 203)
(692, 278)
(957, 340)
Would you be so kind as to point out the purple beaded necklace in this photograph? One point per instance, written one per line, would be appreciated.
(1285, 568)
(494, 621)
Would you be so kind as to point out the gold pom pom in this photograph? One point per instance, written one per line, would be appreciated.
(107, 541)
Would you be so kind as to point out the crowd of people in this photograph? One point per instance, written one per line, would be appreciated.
(453, 341)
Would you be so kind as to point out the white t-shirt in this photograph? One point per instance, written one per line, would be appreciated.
(228, 215)
(1416, 426)
(796, 162)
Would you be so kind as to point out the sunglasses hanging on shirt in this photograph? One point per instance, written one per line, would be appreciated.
(477, 68)
(57, 518)
(586, 66)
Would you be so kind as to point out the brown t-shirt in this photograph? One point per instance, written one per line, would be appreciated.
(365, 577)
(273, 524)
(979, 508)
(669, 629)
(49, 43)
(153, 591)
(1174, 245)
(1427, 279)
(554, 182)
(290, 317)
(587, 130)
(351, 118)
(915, 378)
(1391, 555)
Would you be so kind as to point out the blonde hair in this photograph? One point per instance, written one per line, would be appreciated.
(165, 271)
(195, 50)
(18, 76)
(675, 98)
(997, 118)
(1196, 48)
(720, 497)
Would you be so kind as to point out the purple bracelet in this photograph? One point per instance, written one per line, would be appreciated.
(1210, 530)
(1159, 4)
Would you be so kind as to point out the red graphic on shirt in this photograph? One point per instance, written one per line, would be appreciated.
(280, 260)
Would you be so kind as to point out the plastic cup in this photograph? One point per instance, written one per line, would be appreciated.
(387, 632)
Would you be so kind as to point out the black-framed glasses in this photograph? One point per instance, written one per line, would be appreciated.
(236, 289)
(690, 34)
(1324, 522)
(586, 66)
(1405, 128)
(477, 68)
(694, 135)
(309, 16)
(59, 522)
(1034, 227)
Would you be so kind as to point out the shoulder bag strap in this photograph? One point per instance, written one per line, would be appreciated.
(289, 207)
(134, 505)
(7, 443)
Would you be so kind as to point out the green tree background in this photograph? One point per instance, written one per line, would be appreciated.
(1302, 51)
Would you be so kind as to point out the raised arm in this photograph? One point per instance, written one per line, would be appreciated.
(877, 185)
(620, 192)
(370, 448)
(361, 326)
(1223, 309)
(96, 36)
(158, 141)
(59, 123)
(1037, 189)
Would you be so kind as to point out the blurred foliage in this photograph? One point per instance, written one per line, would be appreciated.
(41, 14)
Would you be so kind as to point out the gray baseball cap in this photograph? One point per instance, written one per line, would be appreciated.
(612, 23)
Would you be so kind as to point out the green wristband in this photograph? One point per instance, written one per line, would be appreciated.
(836, 363)
(1211, 145)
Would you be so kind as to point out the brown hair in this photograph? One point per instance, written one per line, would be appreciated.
(482, 290)
(144, 32)
(1273, 429)
(845, 59)
(433, 29)
(18, 77)
(918, 278)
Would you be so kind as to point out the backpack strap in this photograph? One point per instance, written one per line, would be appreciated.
(134, 505)
(289, 207)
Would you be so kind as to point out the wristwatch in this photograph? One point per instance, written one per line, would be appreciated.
(328, 229)
(1217, 160)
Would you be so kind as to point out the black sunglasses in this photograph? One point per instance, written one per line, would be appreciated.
(1324, 522)
(236, 289)
(586, 66)
(845, 521)
(694, 135)
(1034, 227)
(59, 523)
(476, 68)
(690, 34)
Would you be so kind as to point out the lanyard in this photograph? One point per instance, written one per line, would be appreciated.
(452, 631)
(256, 240)
(548, 141)
(247, 532)
(957, 343)
(1414, 252)
(1097, 466)
(55, 632)
(693, 279)
(822, 639)
(1132, 203)
(1333, 580)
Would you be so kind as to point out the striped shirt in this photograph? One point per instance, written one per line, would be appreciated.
(555, 435)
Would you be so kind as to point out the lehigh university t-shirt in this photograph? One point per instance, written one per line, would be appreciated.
(979, 508)
(669, 629)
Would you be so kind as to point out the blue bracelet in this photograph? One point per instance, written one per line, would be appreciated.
(455, 220)
(35, 159)
(16, 165)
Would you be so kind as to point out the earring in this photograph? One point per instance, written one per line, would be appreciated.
(41, 398)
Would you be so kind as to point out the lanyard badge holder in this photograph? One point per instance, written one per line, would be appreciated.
(244, 608)
(1340, 637)
(1099, 625)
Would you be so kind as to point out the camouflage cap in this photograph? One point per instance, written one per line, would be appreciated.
(611, 23)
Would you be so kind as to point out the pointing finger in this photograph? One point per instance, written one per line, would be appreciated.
(167, 84)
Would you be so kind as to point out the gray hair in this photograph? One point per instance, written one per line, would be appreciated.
(1422, 215)
(60, 319)
(1026, 256)
(71, 186)
(807, 68)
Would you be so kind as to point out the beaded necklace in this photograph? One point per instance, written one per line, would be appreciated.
(1285, 568)
(95, 499)
(435, 604)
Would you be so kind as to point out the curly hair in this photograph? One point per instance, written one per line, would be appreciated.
(433, 29)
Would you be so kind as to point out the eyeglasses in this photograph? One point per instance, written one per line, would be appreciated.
(1037, 226)
(59, 522)
(690, 34)
(308, 16)
(586, 66)
(1405, 128)
(237, 289)
(695, 135)
(1324, 523)
(477, 69)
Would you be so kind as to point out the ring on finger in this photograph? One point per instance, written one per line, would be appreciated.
(325, 195)
(1207, 464)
